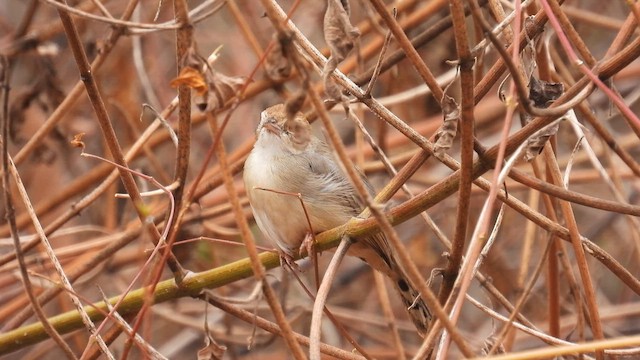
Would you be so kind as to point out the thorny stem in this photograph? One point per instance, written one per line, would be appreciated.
(184, 42)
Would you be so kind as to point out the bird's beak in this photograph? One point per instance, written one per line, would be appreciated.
(272, 128)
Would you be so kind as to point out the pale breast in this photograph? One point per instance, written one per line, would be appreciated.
(281, 217)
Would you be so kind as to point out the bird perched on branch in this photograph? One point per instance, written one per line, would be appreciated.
(288, 159)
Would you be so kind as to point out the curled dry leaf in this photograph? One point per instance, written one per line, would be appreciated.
(340, 36)
(339, 33)
(192, 78)
(191, 72)
(449, 127)
(536, 143)
(276, 64)
(212, 89)
(29, 105)
(77, 141)
(221, 88)
(542, 93)
(211, 350)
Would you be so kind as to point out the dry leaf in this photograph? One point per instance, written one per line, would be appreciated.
(535, 144)
(192, 78)
(191, 65)
(41, 97)
(542, 93)
(211, 350)
(339, 33)
(77, 141)
(340, 36)
(220, 88)
(212, 89)
(20, 104)
(276, 64)
(449, 128)
(44, 94)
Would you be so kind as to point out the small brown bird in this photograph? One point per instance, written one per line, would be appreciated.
(288, 158)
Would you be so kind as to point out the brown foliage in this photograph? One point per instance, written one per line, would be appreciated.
(562, 261)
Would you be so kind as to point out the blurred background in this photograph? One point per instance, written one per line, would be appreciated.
(102, 245)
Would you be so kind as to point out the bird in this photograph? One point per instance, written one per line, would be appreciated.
(287, 159)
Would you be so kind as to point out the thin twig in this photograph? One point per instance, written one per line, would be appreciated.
(579, 251)
(150, 350)
(321, 297)
(273, 328)
(378, 66)
(526, 291)
(410, 51)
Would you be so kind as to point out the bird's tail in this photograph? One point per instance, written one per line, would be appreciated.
(376, 252)
(413, 302)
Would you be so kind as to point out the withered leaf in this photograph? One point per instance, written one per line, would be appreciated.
(276, 64)
(212, 89)
(340, 36)
(543, 93)
(339, 33)
(449, 127)
(20, 104)
(192, 66)
(192, 78)
(77, 141)
(50, 83)
(211, 350)
(220, 88)
(535, 143)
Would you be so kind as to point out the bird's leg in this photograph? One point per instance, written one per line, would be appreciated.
(308, 245)
(287, 259)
